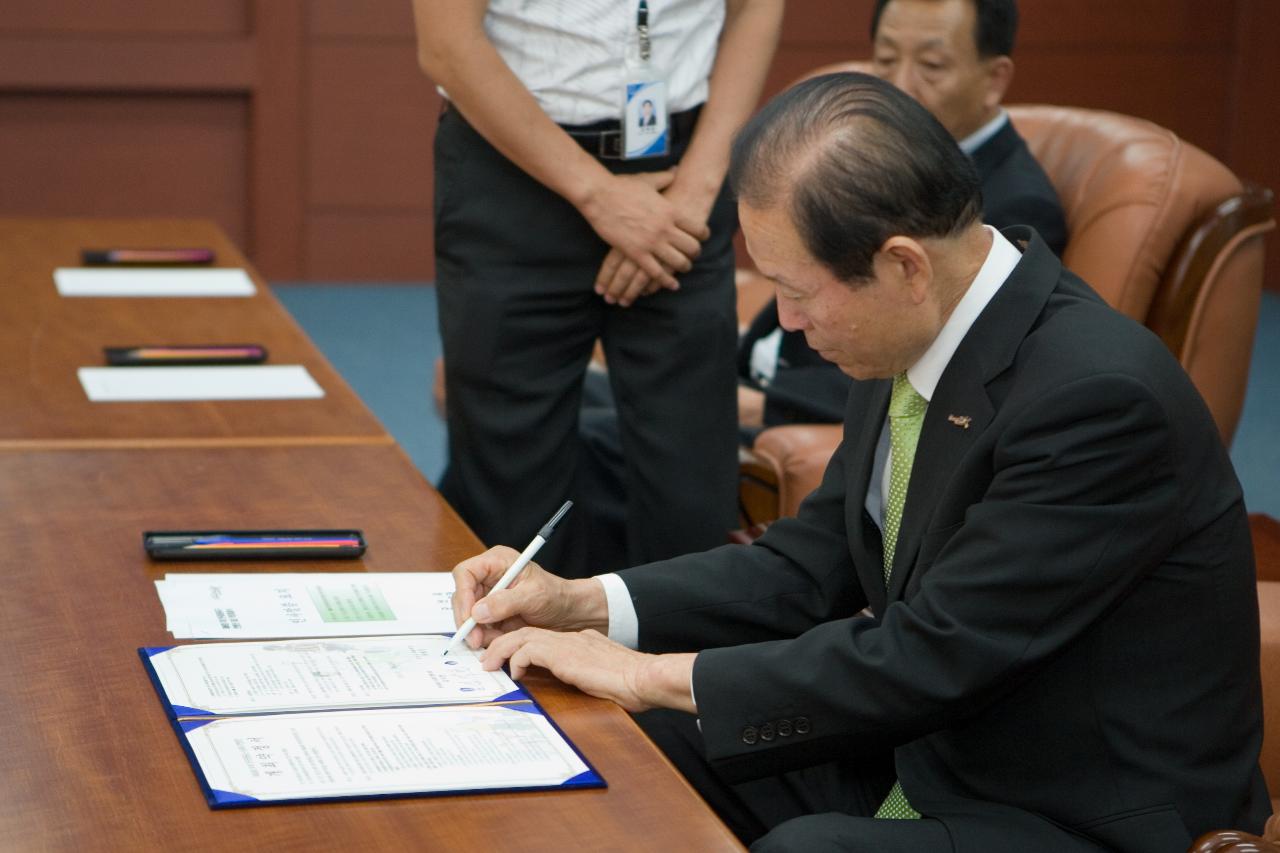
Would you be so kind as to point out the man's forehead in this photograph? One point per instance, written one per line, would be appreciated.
(771, 236)
(932, 42)
(775, 220)
(927, 23)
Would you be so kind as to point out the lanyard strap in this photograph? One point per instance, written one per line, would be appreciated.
(642, 29)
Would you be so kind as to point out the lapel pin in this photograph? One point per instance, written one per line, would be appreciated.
(961, 421)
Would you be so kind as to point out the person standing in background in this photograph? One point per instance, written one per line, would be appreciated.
(555, 228)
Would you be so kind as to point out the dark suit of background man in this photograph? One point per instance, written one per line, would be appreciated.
(1061, 650)
(955, 58)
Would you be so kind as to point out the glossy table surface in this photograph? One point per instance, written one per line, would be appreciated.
(44, 337)
(87, 758)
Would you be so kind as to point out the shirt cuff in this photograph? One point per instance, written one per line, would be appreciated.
(624, 626)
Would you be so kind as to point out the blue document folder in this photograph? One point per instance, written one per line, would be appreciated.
(507, 743)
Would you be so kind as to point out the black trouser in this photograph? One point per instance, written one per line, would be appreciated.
(826, 807)
(515, 267)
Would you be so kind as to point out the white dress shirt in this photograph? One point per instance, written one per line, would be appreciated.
(973, 141)
(572, 54)
(764, 357)
(925, 373)
(924, 376)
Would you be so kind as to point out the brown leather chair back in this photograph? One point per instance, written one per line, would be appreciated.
(1135, 197)
(1128, 193)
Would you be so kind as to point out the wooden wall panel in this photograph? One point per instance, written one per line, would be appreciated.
(115, 155)
(127, 108)
(369, 19)
(154, 64)
(791, 62)
(337, 121)
(1253, 102)
(1090, 25)
(371, 245)
(62, 17)
(277, 208)
(827, 22)
(1182, 92)
(371, 120)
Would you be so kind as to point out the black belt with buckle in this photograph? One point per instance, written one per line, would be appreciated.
(604, 138)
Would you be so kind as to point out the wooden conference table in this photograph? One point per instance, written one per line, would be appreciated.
(87, 758)
(44, 337)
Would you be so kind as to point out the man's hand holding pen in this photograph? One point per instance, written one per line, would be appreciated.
(536, 598)
(543, 620)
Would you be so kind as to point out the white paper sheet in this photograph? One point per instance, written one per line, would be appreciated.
(320, 674)
(169, 384)
(131, 281)
(306, 604)
(358, 753)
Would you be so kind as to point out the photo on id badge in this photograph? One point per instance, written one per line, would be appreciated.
(645, 120)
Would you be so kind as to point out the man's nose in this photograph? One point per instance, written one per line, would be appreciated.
(791, 318)
(903, 76)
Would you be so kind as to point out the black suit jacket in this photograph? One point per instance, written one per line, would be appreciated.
(806, 388)
(1015, 191)
(1069, 643)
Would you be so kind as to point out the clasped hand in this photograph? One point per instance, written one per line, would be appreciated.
(654, 229)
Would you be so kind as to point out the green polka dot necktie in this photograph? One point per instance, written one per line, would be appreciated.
(906, 416)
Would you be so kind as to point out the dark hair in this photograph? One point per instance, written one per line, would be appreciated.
(997, 24)
(857, 161)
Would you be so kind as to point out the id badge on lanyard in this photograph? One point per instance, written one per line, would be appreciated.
(645, 130)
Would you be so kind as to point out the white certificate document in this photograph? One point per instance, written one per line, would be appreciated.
(94, 281)
(306, 604)
(386, 751)
(170, 384)
(338, 673)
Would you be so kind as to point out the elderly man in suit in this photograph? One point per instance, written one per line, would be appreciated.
(1020, 611)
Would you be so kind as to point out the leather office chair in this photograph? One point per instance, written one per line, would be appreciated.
(1234, 841)
(1266, 544)
(1164, 232)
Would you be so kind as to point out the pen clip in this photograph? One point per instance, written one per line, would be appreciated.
(550, 526)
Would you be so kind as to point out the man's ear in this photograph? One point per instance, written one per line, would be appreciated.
(999, 78)
(904, 261)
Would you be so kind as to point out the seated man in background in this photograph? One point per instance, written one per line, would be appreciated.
(1060, 651)
(955, 58)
